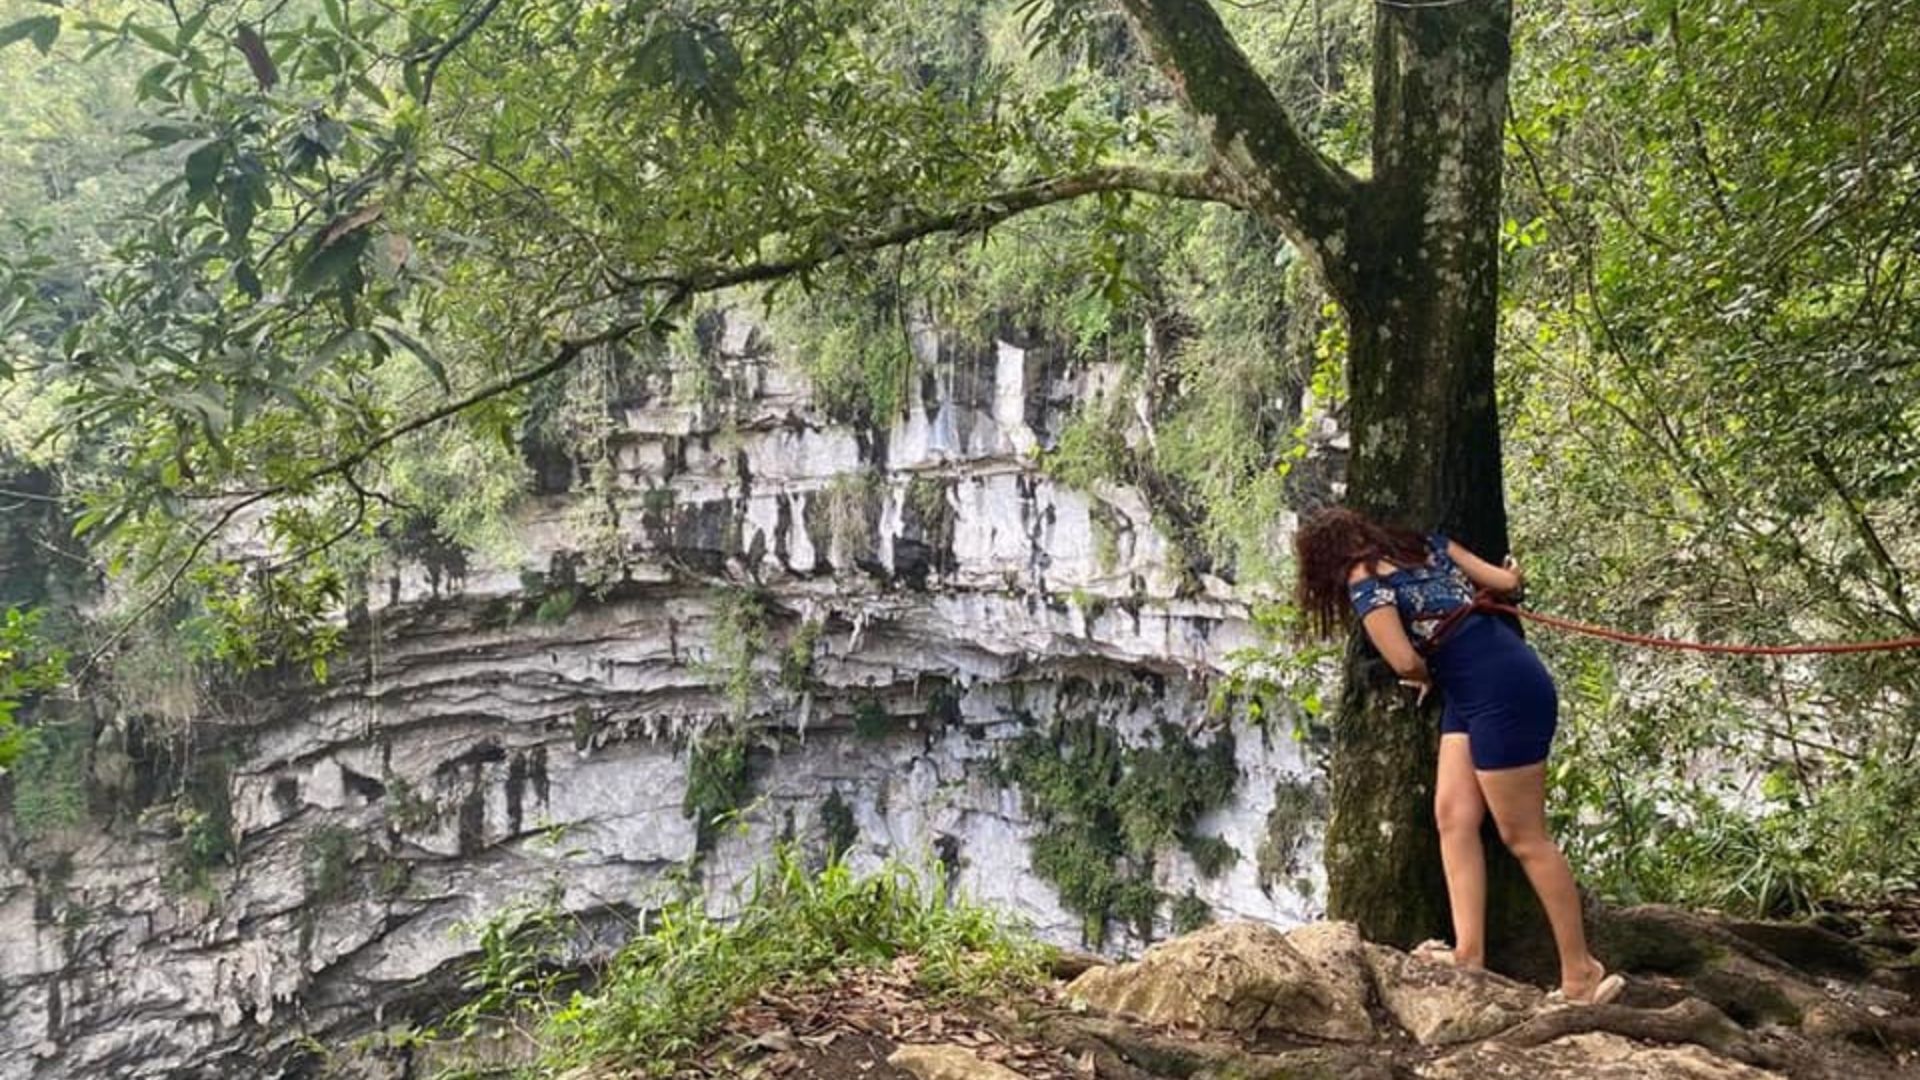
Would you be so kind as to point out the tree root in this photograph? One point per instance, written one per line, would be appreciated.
(1809, 947)
(1889, 1033)
(1143, 1054)
(1689, 1021)
(1070, 964)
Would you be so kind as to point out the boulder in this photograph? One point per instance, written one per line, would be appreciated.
(1440, 1004)
(1336, 955)
(1243, 977)
(1591, 1056)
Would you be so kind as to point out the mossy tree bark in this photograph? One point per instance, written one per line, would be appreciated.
(1426, 436)
(1411, 253)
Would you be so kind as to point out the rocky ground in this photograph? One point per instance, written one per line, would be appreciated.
(1708, 999)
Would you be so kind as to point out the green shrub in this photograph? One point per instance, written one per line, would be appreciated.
(1190, 913)
(871, 720)
(719, 782)
(203, 812)
(836, 822)
(668, 989)
(1297, 806)
(29, 666)
(1105, 809)
(328, 852)
(50, 779)
(1211, 855)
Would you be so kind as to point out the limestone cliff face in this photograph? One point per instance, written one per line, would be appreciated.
(881, 612)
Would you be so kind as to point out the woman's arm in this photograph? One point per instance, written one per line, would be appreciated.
(1389, 636)
(1501, 579)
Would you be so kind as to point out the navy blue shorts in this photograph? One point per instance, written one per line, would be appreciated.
(1497, 693)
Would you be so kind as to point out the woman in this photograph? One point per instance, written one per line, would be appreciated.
(1496, 727)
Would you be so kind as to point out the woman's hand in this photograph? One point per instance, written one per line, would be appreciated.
(1505, 578)
(1512, 566)
(1417, 676)
(1421, 682)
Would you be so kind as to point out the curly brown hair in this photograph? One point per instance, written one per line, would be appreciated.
(1325, 548)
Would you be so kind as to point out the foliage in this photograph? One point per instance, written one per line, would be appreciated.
(674, 982)
(1297, 804)
(1711, 390)
(740, 627)
(50, 779)
(28, 667)
(796, 663)
(521, 966)
(1211, 855)
(327, 858)
(201, 814)
(838, 826)
(409, 809)
(719, 781)
(1105, 809)
(871, 720)
(852, 502)
(1190, 913)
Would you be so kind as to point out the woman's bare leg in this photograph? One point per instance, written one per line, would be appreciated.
(1518, 799)
(1458, 809)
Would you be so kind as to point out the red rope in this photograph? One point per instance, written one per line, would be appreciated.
(1484, 602)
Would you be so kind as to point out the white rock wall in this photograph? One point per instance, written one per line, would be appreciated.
(475, 756)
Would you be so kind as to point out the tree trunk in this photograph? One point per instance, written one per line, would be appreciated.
(1412, 254)
(1422, 317)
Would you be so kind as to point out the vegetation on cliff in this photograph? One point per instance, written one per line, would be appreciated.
(659, 1001)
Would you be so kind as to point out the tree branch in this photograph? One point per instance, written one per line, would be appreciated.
(1892, 579)
(1204, 186)
(438, 56)
(1282, 176)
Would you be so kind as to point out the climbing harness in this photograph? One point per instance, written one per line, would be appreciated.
(1485, 601)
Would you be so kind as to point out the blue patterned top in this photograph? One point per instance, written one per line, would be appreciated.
(1429, 590)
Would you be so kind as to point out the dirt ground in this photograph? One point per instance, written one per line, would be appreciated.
(848, 1027)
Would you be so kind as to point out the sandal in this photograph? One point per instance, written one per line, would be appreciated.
(1435, 951)
(1605, 992)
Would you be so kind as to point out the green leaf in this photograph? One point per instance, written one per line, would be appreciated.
(155, 38)
(191, 26)
(331, 350)
(293, 399)
(166, 134)
(103, 520)
(372, 92)
(324, 265)
(42, 30)
(399, 335)
(236, 212)
(203, 168)
(153, 82)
